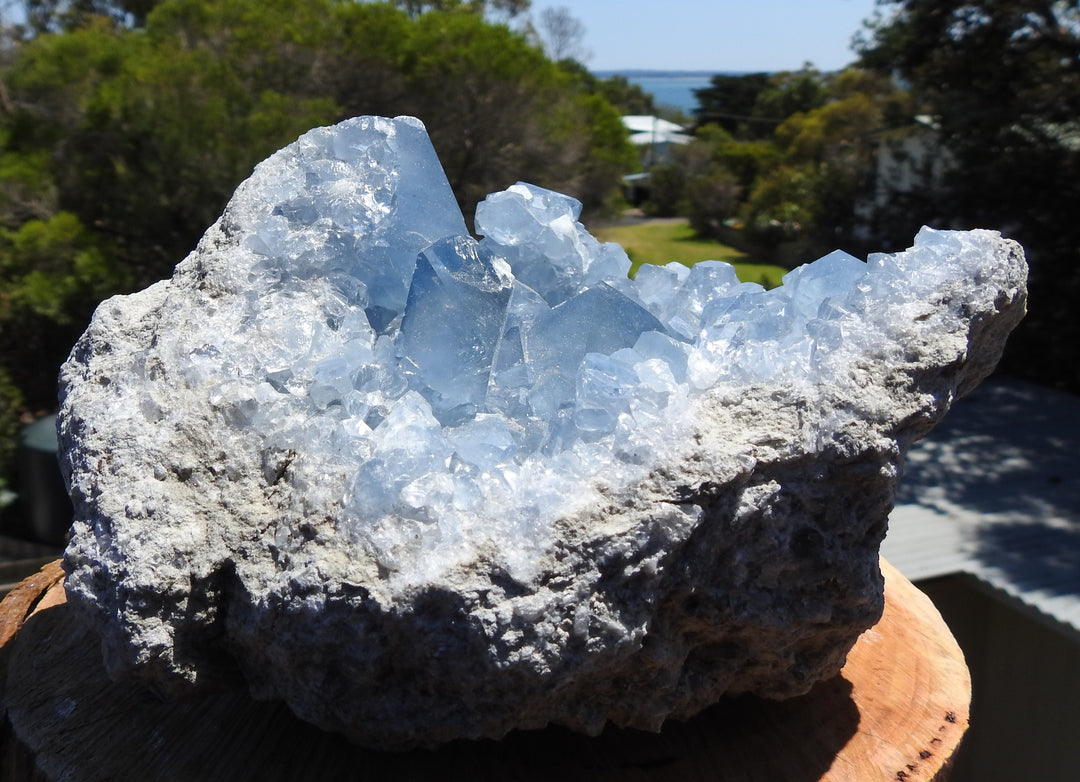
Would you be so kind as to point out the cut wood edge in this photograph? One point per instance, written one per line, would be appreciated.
(912, 685)
(22, 601)
(909, 687)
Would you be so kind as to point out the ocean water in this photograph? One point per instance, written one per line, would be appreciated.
(668, 88)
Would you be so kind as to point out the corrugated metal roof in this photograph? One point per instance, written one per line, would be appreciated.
(995, 492)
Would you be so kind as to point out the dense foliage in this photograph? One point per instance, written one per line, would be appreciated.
(1001, 79)
(125, 126)
(750, 106)
(787, 157)
(983, 133)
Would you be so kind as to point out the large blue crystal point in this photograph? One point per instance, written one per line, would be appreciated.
(453, 319)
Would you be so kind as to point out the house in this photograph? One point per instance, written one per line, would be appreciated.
(913, 159)
(907, 159)
(654, 137)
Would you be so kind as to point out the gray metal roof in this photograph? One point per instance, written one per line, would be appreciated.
(995, 492)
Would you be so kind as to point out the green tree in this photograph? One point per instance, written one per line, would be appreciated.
(800, 181)
(667, 189)
(750, 106)
(606, 156)
(745, 159)
(498, 111)
(52, 274)
(11, 406)
(508, 8)
(627, 97)
(624, 95)
(829, 152)
(703, 182)
(792, 92)
(781, 206)
(147, 134)
(1002, 80)
(729, 102)
(563, 34)
(119, 146)
(45, 16)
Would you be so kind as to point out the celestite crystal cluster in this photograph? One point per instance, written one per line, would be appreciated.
(441, 390)
(346, 427)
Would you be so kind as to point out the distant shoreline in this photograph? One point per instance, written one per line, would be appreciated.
(669, 89)
(638, 73)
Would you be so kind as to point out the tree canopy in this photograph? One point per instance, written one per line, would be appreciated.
(751, 105)
(125, 127)
(563, 34)
(978, 101)
(1001, 79)
(786, 156)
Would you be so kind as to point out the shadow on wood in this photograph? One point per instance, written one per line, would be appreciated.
(897, 712)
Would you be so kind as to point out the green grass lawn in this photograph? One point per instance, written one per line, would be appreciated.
(665, 241)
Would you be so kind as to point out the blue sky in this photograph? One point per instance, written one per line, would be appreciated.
(729, 35)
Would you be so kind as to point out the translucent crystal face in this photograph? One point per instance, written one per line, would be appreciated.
(443, 395)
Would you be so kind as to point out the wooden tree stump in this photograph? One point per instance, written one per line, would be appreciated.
(897, 712)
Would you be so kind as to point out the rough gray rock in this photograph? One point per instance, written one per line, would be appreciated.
(745, 560)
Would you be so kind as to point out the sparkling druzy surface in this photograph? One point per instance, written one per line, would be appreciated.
(348, 442)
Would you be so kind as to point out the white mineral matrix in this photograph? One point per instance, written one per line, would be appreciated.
(423, 487)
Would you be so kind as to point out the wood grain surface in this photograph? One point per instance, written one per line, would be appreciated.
(896, 712)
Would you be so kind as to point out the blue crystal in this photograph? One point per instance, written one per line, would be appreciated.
(537, 232)
(598, 320)
(807, 286)
(604, 387)
(425, 375)
(453, 320)
(510, 377)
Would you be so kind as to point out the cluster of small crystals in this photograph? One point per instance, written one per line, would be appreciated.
(444, 394)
